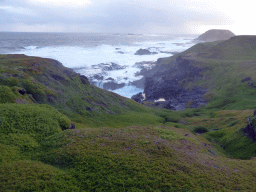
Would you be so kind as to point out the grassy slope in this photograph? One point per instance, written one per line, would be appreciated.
(136, 158)
(226, 64)
(47, 81)
(146, 156)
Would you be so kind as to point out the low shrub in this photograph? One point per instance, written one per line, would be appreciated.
(6, 95)
(200, 129)
(23, 141)
(35, 176)
(38, 121)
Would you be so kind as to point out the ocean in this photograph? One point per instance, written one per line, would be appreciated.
(106, 59)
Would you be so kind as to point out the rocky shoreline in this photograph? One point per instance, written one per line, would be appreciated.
(163, 85)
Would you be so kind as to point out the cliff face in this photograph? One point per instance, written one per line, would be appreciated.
(169, 85)
(221, 67)
(215, 35)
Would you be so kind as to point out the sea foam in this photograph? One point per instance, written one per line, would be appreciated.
(82, 58)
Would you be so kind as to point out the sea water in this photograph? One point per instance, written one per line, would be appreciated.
(82, 50)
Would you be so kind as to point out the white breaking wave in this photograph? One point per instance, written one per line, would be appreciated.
(123, 55)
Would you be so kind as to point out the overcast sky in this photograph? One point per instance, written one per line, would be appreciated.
(127, 16)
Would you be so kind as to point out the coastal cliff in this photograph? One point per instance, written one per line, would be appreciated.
(195, 76)
(168, 85)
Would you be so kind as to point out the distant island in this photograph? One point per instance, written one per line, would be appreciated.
(215, 35)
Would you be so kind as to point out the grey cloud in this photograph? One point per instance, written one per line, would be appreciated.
(122, 16)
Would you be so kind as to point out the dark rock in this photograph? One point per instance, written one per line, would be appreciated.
(98, 77)
(121, 52)
(144, 52)
(200, 130)
(179, 44)
(246, 79)
(145, 64)
(138, 97)
(254, 113)
(157, 69)
(249, 131)
(165, 83)
(170, 52)
(171, 106)
(77, 69)
(139, 83)
(110, 79)
(113, 85)
(72, 126)
(22, 91)
(84, 79)
(117, 48)
(141, 72)
(108, 66)
(187, 135)
(161, 104)
(88, 109)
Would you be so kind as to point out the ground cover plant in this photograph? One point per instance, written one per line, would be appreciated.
(120, 145)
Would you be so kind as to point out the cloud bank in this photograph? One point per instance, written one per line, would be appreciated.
(111, 16)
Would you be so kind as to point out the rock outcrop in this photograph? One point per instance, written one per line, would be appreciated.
(138, 97)
(145, 64)
(215, 35)
(144, 52)
(249, 130)
(108, 66)
(112, 85)
(101, 78)
(165, 81)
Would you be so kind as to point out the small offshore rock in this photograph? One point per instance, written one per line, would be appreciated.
(144, 52)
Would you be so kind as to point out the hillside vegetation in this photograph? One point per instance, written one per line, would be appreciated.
(28, 80)
(120, 145)
(227, 70)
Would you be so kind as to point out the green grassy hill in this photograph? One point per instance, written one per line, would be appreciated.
(46, 81)
(227, 70)
(118, 144)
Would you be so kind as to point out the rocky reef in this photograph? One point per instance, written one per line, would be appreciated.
(101, 78)
(108, 66)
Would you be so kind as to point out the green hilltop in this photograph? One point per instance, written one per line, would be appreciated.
(121, 145)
